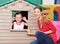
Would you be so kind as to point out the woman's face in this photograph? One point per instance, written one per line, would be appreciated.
(18, 18)
(37, 12)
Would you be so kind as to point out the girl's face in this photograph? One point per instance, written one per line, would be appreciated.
(37, 12)
(18, 18)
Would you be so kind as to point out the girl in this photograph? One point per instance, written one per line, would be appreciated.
(47, 33)
(18, 24)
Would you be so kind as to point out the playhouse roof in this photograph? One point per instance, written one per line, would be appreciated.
(35, 2)
(18, 4)
(2, 3)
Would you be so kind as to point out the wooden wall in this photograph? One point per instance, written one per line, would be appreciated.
(8, 37)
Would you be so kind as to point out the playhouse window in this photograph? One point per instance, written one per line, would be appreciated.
(19, 20)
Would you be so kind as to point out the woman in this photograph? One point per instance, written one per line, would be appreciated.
(47, 33)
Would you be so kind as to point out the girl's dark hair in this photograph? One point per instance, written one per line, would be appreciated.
(17, 14)
(39, 8)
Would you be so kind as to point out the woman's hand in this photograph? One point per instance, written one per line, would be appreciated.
(29, 32)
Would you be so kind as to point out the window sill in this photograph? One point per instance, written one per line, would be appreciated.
(13, 30)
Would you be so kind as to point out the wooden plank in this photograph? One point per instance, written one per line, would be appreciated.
(17, 38)
(5, 20)
(4, 30)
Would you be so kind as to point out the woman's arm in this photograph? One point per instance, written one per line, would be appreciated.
(51, 27)
(30, 33)
(48, 32)
(33, 34)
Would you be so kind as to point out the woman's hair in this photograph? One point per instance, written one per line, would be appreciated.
(18, 14)
(39, 8)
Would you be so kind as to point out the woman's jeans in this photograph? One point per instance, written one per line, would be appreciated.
(42, 38)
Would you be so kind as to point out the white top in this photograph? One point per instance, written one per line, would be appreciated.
(48, 1)
(19, 27)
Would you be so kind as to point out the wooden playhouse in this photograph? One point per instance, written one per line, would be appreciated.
(8, 37)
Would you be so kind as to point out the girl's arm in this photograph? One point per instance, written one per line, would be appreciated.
(12, 23)
(26, 22)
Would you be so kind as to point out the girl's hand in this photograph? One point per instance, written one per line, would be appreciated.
(24, 18)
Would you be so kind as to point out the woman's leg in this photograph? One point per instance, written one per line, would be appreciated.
(40, 39)
(34, 42)
(43, 38)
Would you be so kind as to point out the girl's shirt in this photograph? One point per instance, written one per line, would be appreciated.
(19, 27)
(47, 25)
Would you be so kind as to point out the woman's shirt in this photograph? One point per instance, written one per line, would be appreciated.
(46, 26)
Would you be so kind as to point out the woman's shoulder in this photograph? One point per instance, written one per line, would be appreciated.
(48, 21)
